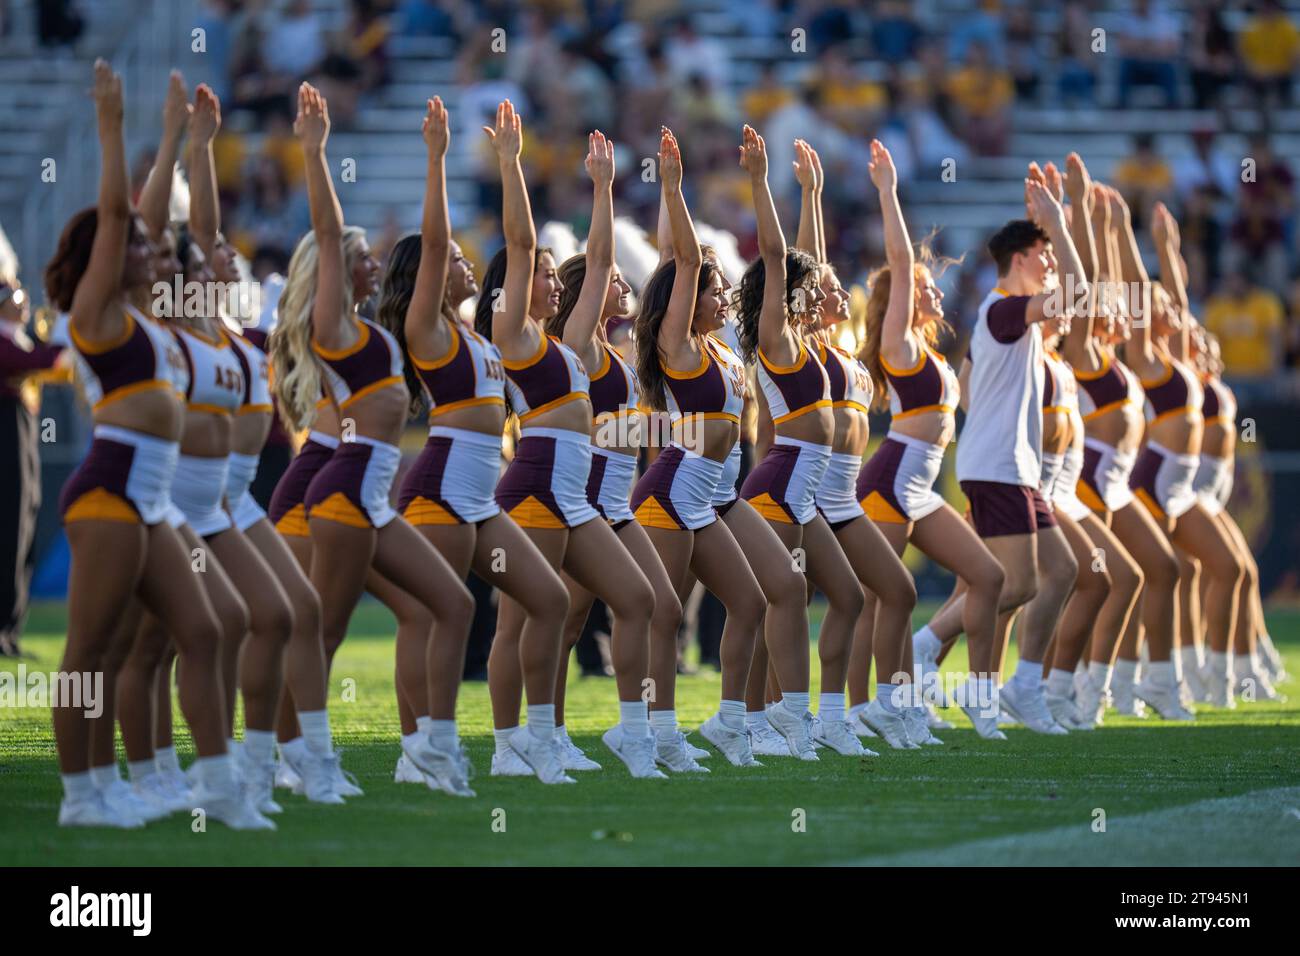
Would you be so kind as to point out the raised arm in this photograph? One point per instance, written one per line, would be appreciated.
(774, 337)
(685, 245)
(580, 329)
(897, 346)
(817, 206)
(156, 195)
(330, 327)
(205, 213)
(1133, 270)
(1164, 233)
(517, 224)
(423, 314)
(806, 174)
(102, 281)
(1078, 186)
(1044, 210)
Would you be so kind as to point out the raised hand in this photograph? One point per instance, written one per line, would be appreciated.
(507, 134)
(107, 92)
(312, 126)
(176, 106)
(753, 153)
(1041, 204)
(817, 168)
(881, 168)
(205, 117)
(805, 169)
(600, 159)
(434, 129)
(1078, 184)
(670, 160)
(1052, 178)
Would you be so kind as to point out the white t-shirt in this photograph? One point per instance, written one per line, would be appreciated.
(1002, 439)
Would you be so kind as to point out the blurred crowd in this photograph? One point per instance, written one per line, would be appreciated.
(933, 84)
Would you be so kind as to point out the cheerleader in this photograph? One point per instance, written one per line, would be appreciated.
(683, 368)
(320, 341)
(115, 503)
(447, 494)
(544, 491)
(896, 485)
(594, 291)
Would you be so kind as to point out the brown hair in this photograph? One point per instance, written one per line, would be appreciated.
(70, 259)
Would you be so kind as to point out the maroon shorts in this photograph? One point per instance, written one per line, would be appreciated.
(287, 511)
(998, 508)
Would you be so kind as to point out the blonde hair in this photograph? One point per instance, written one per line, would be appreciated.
(926, 264)
(295, 369)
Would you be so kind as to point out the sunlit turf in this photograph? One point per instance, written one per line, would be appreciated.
(787, 812)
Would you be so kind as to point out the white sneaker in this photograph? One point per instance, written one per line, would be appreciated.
(985, 721)
(571, 755)
(175, 783)
(890, 727)
(1127, 703)
(122, 796)
(637, 752)
(836, 735)
(733, 744)
(672, 751)
(918, 728)
(1064, 712)
(345, 784)
(509, 764)
(95, 811)
(1270, 659)
(258, 785)
(312, 776)
(543, 756)
(1028, 706)
(286, 778)
(1090, 705)
(407, 772)
(230, 807)
(694, 752)
(857, 725)
(1253, 685)
(764, 741)
(154, 789)
(934, 721)
(795, 728)
(441, 767)
(1218, 689)
(1163, 700)
(1192, 681)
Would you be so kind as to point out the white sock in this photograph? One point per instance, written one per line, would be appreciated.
(925, 643)
(1059, 682)
(137, 770)
(78, 786)
(412, 739)
(857, 709)
(502, 737)
(1099, 674)
(166, 759)
(1125, 672)
(830, 708)
(217, 773)
(443, 733)
(294, 750)
(1190, 658)
(541, 721)
(732, 714)
(259, 746)
(664, 723)
(315, 726)
(797, 702)
(1028, 675)
(561, 732)
(755, 718)
(105, 776)
(889, 698)
(1219, 663)
(422, 724)
(1162, 673)
(632, 715)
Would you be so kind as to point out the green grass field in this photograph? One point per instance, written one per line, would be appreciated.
(1225, 791)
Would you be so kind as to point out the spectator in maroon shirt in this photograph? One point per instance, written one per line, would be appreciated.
(21, 356)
